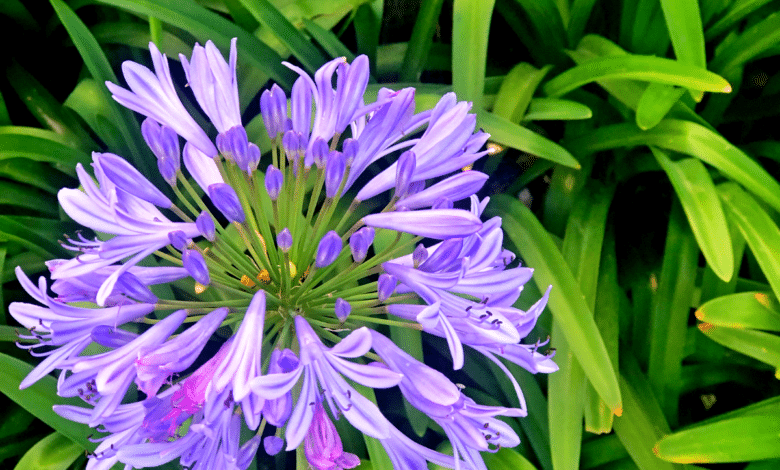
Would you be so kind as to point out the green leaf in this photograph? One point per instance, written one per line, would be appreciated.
(507, 459)
(47, 110)
(670, 311)
(566, 301)
(98, 66)
(683, 21)
(367, 21)
(696, 191)
(565, 402)
(552, 109)
(470, 27)
(53, 452)
(517, 89)
(328, 40)
(642, 422)
(29, 172)
(205, 25)
(40, 145)
(758, 228)
(544, 18)
(513, 135)
(267, 14)
(755, 310)
(39, 235)
(733, 440)
(754, 41)
(656, 101)
(39, 398)
(738, 10)
(580, 14)
(411, 342)
(25, 197)
(134, 34)
(601, 450)
(420, 43)
(636, 67)
(691, 139)
(764, 347)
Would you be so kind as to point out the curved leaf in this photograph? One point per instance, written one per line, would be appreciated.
(696, 191)
(470, 26)
(636, 67)
(40, 145)
(552, 109)
(756, 310)
(53, 452)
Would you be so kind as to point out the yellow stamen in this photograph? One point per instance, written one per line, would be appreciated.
(245, 280)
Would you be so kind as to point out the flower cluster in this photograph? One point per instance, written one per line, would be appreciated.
(237, 298)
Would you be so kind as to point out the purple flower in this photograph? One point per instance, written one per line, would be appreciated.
(190, 285)
(322, 446)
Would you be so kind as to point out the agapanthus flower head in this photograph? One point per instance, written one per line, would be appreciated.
(286, 279)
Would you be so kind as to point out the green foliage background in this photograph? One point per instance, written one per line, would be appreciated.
(639, 135)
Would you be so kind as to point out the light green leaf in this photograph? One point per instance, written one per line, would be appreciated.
(756, 310)
(267, 14)
(39, 398)
(758, 228)
(764, 347)
(328, 40)
(205, 25)
(566, 300)
(470, 27)
(517, 89)
(552, 109)
(636, 67)
(696, 191)
(40, 145)
(513, 135)
(691, 139)
(367, 22)
(507, 459)
(656, 101)
(733, 440)
(580, 14)
(683, 21)
(53, 452)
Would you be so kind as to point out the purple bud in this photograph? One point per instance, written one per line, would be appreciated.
(300, 101)
(272, 444)
(274, 179)
(126, 177)
(319, 152)
(284, 240)
(195, 265)
(178, 239)
(443, 203)
(277, 410)
(419, 255)
(342, 309)
(225, 199)
(164, 144)
(328, 249)
(273, 107)
(385, 286)
(291, 143)
(350, 149)
(205, 225)
(132, 287)
(359, 243)
(109, 337)
(334, 173)
(235, 146)
(404, 171)
(415, 187)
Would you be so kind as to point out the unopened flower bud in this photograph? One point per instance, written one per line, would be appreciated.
(178, 239)
(284, 240)
(274, 179)
(334, 173)
(328, 249)
(205, 225)
(359, 243)
(195, 265)
(386, 286)
(342, 309)
(225, 199)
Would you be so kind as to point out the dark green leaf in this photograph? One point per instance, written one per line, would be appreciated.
(328, 40)
(420, 42)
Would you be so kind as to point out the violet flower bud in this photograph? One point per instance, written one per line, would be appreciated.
(273, 108)
(319, 152)
(130, 180)
(342, 309)
(385, 286)
(419, 255)
(225, 199)
(195, 265)
(235, 146)
(359, 243)
(328, 249)
(284, 240)
(291, 144)
(272, 444)
(178, 239)
(205, 225)
(164, 143)
(334, 173)
(350, 149)
(274, 179)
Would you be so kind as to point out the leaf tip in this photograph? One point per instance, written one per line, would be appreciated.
(618, 410)
(727, 88)
(699, 314)
(706, 327)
